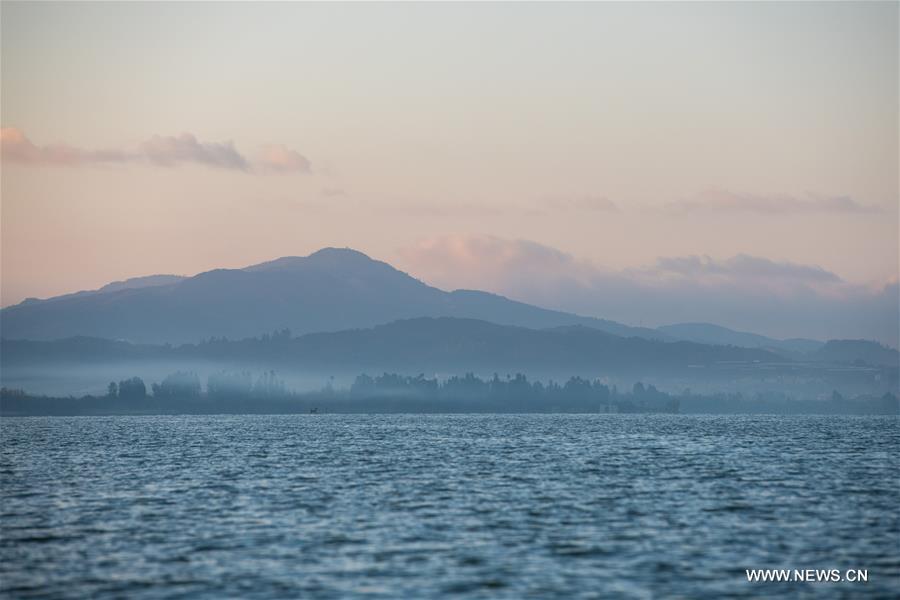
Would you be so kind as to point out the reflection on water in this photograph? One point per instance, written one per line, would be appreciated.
(424, 506)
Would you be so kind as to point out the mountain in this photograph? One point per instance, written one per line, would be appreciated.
(413, 345)
(115, 286)
(330, 290)
(139, 282)
(858, 351)
(707, 333)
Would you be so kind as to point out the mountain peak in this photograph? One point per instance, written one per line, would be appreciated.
(326, 257)
(332, 253)
(341, 258)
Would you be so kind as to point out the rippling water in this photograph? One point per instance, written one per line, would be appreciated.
(426, 506)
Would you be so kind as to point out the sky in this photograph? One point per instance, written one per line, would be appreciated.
(644, 162)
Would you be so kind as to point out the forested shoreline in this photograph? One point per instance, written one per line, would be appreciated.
(244, 393)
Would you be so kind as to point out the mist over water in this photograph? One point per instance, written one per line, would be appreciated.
(503, 506)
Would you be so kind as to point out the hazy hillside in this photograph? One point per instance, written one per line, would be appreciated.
(708, 333)
(425, 344)
(858, 351)
(438, 346)
(330, 290)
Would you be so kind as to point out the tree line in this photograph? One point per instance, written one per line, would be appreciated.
(186, 385)
(243, 392)
(242, 385)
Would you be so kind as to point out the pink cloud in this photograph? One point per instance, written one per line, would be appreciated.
(165, 151)
(16, 147)
(485, 261)
(719, 201)
(281, 159)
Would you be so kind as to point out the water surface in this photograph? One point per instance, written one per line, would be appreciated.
(505, 506)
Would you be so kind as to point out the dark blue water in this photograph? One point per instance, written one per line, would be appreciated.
(502, 506)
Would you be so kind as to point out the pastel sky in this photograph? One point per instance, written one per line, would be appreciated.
(741, 149)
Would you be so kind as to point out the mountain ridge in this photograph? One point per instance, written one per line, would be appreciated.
(180, 309)
(423, 343)
(710, 333)
(332, 289)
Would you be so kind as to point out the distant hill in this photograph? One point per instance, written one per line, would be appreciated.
(330, 290)
(707, 333)
(858, 351)
(424, 344)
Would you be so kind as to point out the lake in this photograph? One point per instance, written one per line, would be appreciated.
(409, 506)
